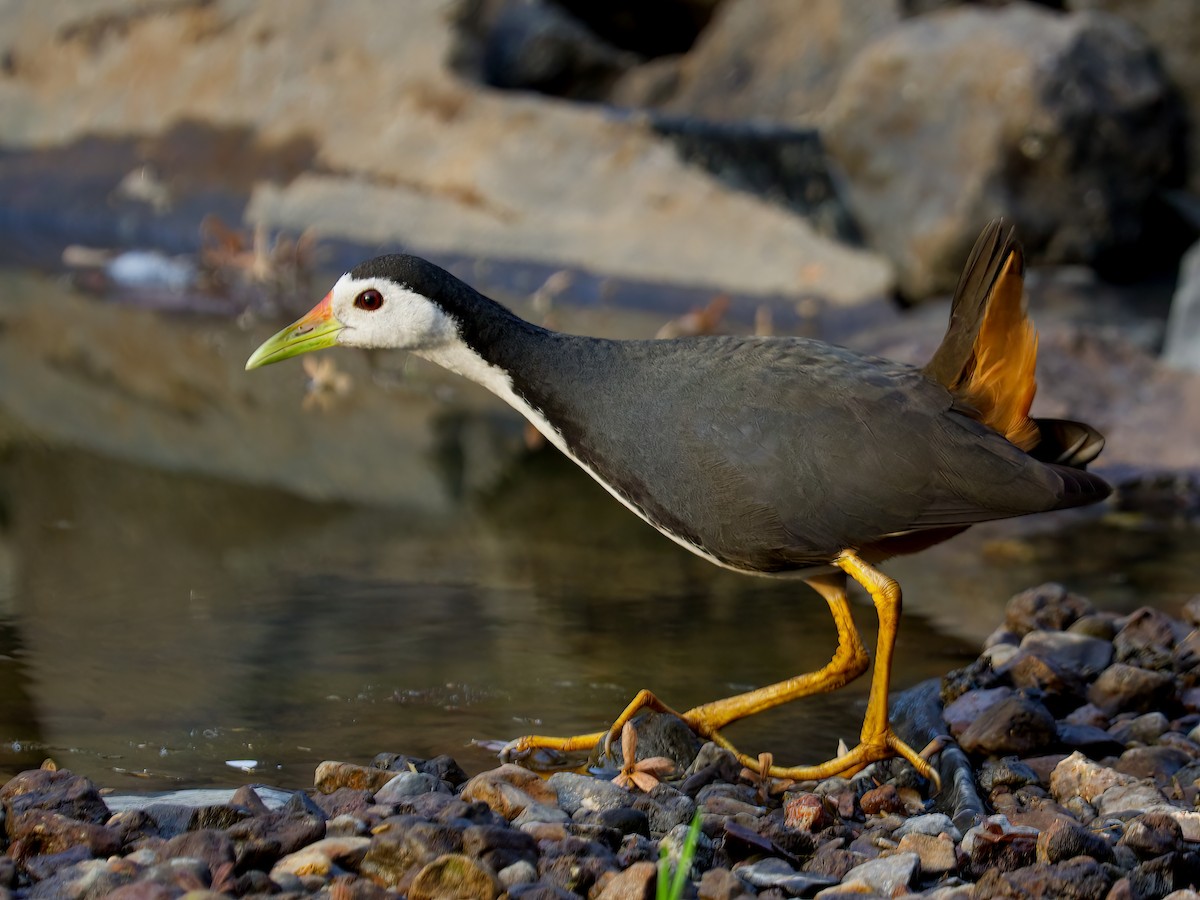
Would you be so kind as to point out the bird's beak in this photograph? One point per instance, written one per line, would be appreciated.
(316, 330)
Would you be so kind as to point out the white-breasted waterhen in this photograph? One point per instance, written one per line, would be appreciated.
(772, 456)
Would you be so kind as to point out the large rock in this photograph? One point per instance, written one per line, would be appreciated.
(1064, 123)
(1174, 29)
(761, 60)
(403, 151)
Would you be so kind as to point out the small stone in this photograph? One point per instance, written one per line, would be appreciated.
(498, 847)
(453, 875)
(508, 790)
(833, 861)
(882, 800)
(1018, 725)
(401, 845)
(1122, 687)
(634, 883)
(937, 854)
(212, 847)
(1143, 729)
(262, 840)
(888, 875)
(409, 784)
(931, 824)
(1048, 607)
(1008, 772)
(1147, 639)
(442, 767)
(806, 812)
(624, 819)
(323, 858)
(1065, 839)
(1079, 653)
(1152, 834)
(332, 775)
(1158, 763)
(61, 792)
(1088, 739)
(1080, 879)
(520, 872)
(575, 791)
(775, 873)
(665, 808)
(1097, 625)
(39, 832)
(971, 705)
(1089, 714)
(1057, 686)
(1126, 798)
(997, 844)
(1185, 658)
(721, 884)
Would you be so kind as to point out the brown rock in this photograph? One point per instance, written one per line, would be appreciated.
(979, 112)
(635, 883)
(1078, 776)
(1048, 607)
(1018, 726)
(756, 59)
(451, 877)
(1158, 762)
(806, 812)
(1147, 639)
(58, 791)
(508, 790)
(403, 844)
(332, 776)
(1152, 834)
(938, 854)
(1065, 839)
(972, 705)
(1075, 879)
(38, 832)
(214, 848)
(882, 800)
(721, 884)
(1125, 688)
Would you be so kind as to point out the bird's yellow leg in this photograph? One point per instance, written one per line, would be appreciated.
(849, 661)
(878, 740)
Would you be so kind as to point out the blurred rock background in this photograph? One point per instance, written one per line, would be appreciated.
(800, 158)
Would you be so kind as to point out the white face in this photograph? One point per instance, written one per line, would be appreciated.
(375, 312)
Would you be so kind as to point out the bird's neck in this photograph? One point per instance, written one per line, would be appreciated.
(492, 342)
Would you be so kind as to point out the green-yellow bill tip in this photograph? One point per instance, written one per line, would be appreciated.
(314, 331)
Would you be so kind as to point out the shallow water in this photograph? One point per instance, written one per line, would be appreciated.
(158, 625)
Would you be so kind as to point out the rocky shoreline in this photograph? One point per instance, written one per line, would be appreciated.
(1073, 773)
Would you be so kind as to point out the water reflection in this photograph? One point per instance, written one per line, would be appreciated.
(161, 624)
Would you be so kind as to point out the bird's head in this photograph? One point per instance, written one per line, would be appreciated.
(386, 302)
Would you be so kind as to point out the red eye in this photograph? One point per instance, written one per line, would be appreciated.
(370, 300)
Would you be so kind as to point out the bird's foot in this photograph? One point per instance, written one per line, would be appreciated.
(521, 748)
(870, 750)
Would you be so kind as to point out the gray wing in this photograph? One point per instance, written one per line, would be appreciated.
(773, 454)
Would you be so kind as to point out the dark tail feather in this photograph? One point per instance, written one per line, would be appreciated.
(1067, 443)
(1080, 488)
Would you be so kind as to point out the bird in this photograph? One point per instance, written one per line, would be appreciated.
(772, 456)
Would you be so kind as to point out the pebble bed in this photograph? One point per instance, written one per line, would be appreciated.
(1082, 731)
